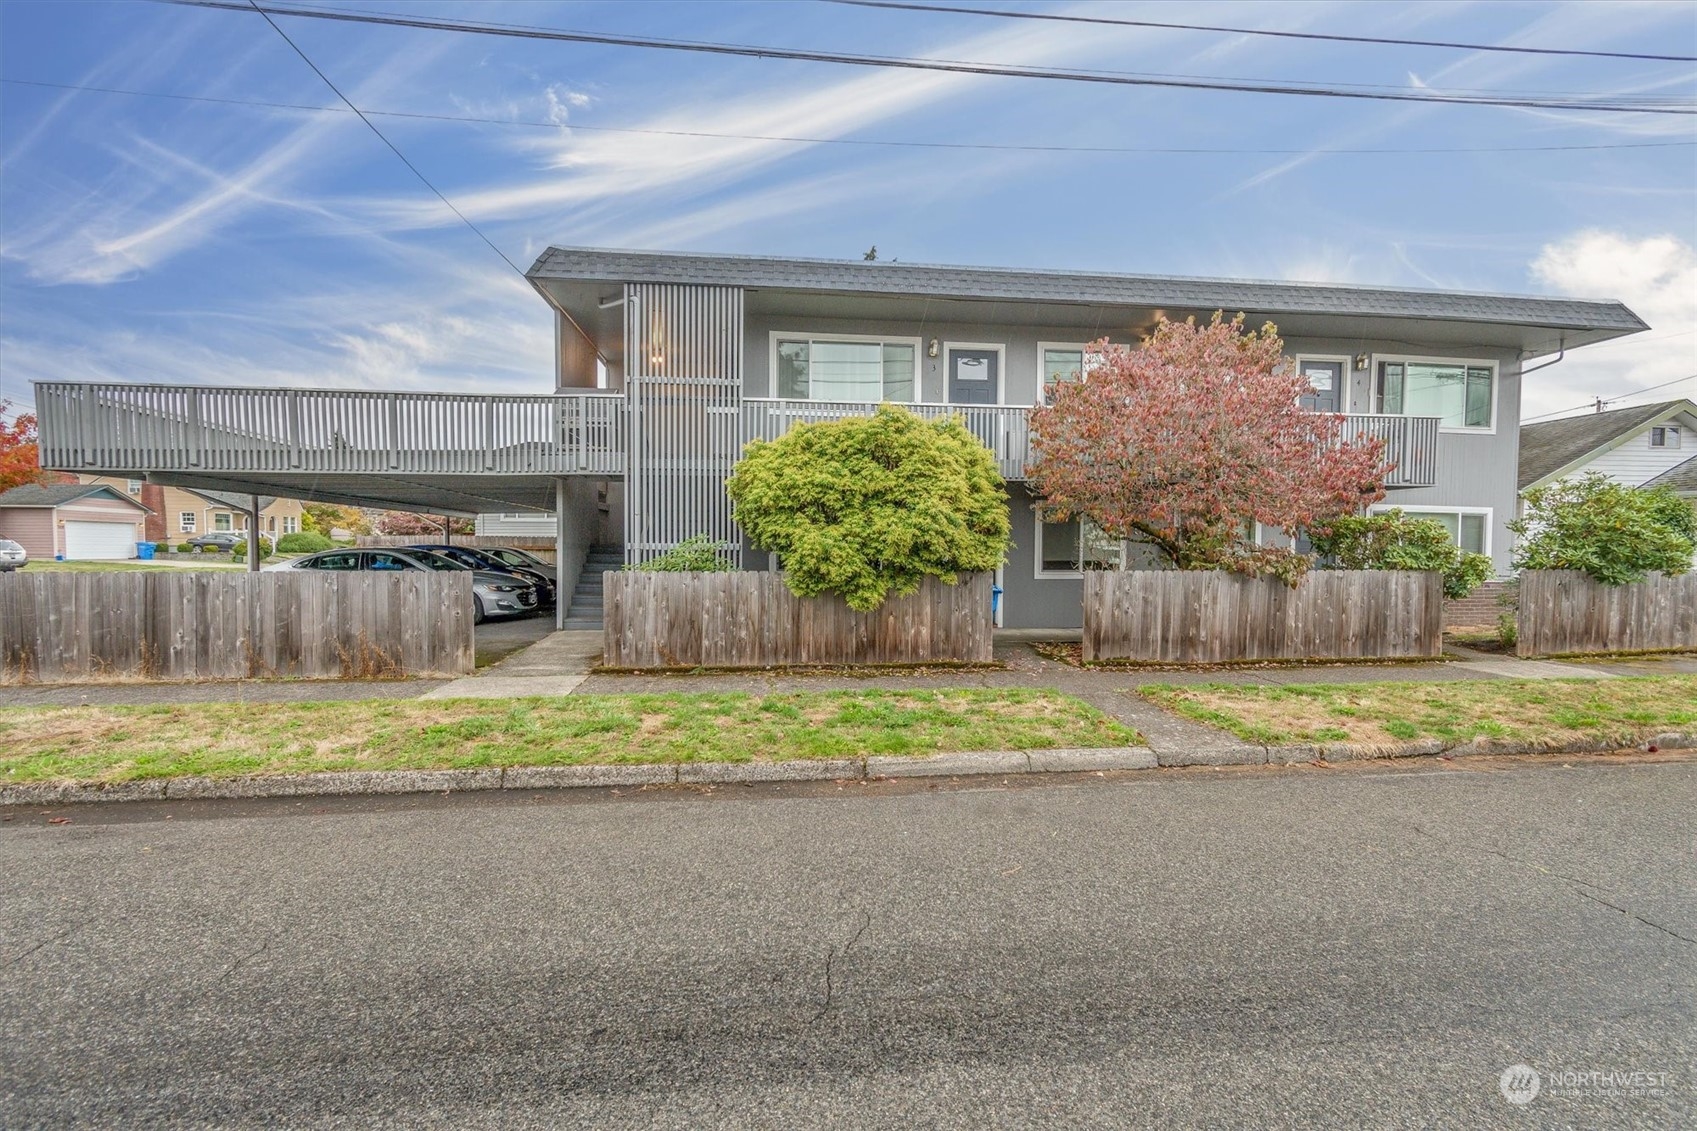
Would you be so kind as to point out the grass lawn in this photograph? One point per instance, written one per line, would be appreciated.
(110, 744)
(222, 561)
(1524, 710)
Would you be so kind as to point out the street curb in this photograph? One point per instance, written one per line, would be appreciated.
(967, 764)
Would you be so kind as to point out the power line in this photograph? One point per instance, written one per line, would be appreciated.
(809, 140)
(941, 65)
(1329, 38)
(1609, 400)
(393, 148)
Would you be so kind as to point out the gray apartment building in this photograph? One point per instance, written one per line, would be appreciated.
(668, 363)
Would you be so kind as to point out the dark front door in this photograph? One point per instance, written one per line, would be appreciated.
(1325, 386)
(973, 376)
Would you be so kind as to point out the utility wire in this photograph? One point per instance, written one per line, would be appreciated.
(393, 148)
(1330, 38)
(942, 65)
(800, 139)
(1608, 400)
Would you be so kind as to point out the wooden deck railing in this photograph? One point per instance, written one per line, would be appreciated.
(123, 427)
(119, 427)
(1002, 428)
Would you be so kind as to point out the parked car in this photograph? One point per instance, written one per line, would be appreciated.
(478, 558)
(223, 541)
(12, 556)
(524, 559)
(492, 594)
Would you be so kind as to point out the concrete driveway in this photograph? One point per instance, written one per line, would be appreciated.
(495, 640)
(1365, 947)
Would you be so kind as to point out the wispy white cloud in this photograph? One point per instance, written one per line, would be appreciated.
(1657, 277)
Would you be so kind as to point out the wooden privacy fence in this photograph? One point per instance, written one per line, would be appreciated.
(1195, 616)
(1565, 611)
(750, 620)
(82, 627)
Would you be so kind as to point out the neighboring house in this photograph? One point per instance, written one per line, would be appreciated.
(73, 521)
(667, 364)
(179, 512)
(1643, 446)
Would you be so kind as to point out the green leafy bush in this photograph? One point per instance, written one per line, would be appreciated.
(868, 506)
(1614, 532)
(184, 548)
(238, 552)
(303, 542)
(1392, 540)
(162, 547)
(695, 554)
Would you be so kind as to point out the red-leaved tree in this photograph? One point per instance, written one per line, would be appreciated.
(1194, 437)
(421, 525)
(19, 460)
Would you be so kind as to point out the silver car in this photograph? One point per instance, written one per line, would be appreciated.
(12, 556)
(492, 594)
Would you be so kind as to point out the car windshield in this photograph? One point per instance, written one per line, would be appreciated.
(518, 557)
(431, 560)
(8, 544)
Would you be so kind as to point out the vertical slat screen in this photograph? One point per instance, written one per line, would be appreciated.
(683, 385)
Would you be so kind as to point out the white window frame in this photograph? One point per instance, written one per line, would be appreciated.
(1001, 366)
(186, 522)
(133, 486)
(1345, 369)
(291, 524)
(1424, 508)
(809, 336)
(1678, 437)
(229, 519)
(1082, 347)
(1426, 359)
(1041, 574)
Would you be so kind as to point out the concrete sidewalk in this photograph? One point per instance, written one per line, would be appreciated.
(554, 665)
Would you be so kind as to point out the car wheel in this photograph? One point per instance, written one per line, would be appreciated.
(476, 609)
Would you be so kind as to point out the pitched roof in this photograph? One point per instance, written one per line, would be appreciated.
(1026, 285)
(236, 502)
(1682, 477)
(59, 494)
(1554, 445)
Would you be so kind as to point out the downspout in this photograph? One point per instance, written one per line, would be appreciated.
(1561, 352)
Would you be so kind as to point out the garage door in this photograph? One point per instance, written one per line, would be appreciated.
(101, 541)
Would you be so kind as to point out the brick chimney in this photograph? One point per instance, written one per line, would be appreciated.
(153, 498)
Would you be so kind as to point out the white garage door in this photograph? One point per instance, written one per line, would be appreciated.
(102, 541)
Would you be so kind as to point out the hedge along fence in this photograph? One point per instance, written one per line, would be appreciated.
(1566, 611)
(85, 627)
(1207, 616)
(752, 620)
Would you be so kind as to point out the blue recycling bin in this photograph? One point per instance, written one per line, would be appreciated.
(995, 601)
(144, 551)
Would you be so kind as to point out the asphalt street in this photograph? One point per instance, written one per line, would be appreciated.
(1363, 946)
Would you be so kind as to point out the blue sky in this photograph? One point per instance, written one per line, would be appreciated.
(159, 239)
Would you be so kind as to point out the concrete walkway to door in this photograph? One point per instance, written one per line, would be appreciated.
(554, 665)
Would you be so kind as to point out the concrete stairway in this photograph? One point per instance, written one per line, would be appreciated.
(584, 611)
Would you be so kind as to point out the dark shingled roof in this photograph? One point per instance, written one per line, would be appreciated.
(232, 500)
(1547, 448)
(1681, 477)
(57, 494)
(1024, 285)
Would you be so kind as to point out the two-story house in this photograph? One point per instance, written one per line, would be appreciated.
(1647, 445)
(667, 364)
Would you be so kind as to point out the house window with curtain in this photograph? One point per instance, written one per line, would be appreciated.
(221, 521)
(1459, 394)
(1067, 549)
(867, 370)
(1664, 436)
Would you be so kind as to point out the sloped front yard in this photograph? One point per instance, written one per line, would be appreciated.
(114, 744)
(1542, 710)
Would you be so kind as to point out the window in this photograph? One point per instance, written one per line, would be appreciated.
(1471, 530)
(1071, 547)
(1664, 436)
(1457, 393)
(185, 522)
(866, 370)
(134, 486)
(291, 524)
(342, 560)
(221, 521)
(387, 562)
(1064, 362)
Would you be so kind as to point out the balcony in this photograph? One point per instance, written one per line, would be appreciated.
(174, 428)
(251, 433)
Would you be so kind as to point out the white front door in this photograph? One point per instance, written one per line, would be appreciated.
(100, 541)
